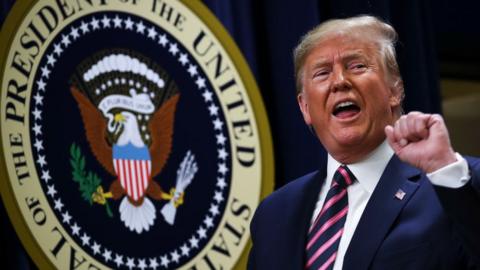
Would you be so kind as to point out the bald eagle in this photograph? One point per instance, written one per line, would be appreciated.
(129, 159)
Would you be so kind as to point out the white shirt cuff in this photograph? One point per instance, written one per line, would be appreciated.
(453, 175)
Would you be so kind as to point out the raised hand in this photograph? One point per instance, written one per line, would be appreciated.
(421, 140)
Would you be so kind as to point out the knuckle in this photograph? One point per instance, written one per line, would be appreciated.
(437, 117)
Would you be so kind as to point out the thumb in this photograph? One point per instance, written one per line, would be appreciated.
(435, 122)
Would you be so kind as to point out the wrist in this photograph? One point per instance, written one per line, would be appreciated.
(441, 161)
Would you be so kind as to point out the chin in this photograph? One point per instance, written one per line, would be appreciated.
(342, 144)
(349, 137)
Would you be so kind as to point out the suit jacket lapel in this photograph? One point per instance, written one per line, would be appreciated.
(384, 206)
(300, 215)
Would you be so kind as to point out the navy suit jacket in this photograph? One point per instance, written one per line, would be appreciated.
(430, 228)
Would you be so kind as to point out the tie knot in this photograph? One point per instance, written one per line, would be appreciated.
(343, 176)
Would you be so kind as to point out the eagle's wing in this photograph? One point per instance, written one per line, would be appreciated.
(161, 130)
(96, 128)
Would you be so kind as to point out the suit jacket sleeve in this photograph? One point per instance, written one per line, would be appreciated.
(251, 256)
(463, 206)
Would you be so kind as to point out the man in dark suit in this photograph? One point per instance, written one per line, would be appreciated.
(393, 193)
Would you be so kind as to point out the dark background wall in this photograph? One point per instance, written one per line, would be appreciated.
(437, 40)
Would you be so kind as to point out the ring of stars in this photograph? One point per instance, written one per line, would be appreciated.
(69, 36)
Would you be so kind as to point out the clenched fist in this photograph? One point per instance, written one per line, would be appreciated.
(422, 141)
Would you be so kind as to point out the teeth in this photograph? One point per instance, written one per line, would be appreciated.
(344, 104)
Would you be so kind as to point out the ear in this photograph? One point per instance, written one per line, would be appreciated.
(302, 103)
(397, 93)
(395, 100)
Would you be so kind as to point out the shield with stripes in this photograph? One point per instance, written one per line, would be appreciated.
(133, 167)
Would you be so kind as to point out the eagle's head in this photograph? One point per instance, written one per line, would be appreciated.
(127, 129)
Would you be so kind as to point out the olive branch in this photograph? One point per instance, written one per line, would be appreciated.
(88, 181)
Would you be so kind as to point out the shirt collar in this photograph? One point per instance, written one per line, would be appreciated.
(367, 171)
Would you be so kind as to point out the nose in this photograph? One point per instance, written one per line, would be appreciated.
(339, 81)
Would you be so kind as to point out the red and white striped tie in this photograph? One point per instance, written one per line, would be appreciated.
(325, 233)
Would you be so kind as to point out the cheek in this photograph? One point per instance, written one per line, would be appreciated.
(315, 103)
(318, 97)
(379, 100)
(317, 108)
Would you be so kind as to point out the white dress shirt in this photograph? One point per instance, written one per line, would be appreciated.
(368, 173)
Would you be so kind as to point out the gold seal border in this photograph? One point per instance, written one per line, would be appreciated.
(15, 18)
(266, 146)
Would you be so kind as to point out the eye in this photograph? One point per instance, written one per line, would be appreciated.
(357, 66)
(321, 73)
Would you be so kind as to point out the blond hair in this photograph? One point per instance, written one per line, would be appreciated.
(365, 27)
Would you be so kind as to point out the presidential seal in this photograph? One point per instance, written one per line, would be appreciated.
(133, 136)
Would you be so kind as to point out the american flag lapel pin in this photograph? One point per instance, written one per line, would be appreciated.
(400, 194)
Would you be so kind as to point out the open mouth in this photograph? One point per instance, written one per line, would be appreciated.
(346, 109)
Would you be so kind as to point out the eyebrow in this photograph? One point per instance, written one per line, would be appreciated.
(345, 57)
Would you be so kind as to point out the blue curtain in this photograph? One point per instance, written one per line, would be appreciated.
(266, 32)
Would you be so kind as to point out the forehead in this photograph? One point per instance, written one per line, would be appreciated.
(341, 47)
